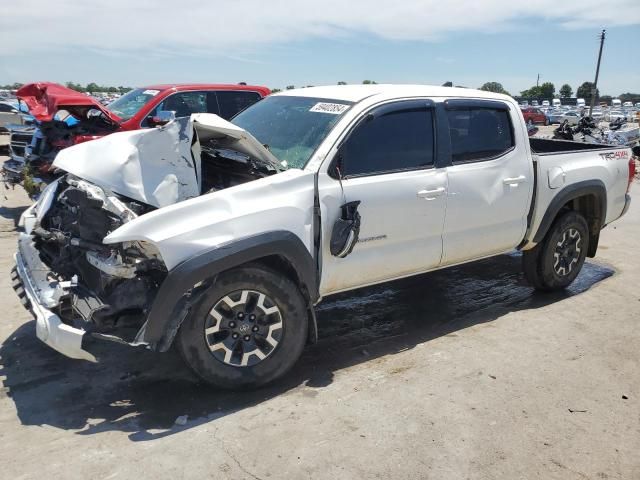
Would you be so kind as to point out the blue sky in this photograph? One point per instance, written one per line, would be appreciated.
(279, 43)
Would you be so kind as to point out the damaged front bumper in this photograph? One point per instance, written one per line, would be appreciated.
(40, 294)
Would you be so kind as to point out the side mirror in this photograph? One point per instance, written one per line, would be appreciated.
(346, 230)
(162, 117)
(94, 113)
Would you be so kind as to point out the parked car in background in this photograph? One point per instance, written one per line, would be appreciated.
(533, 116)
(555, 116)
(221, 237)
(612, 115)
(571, 117)
(66, 117)
(9, 115)
(581, 103)
(597, 115)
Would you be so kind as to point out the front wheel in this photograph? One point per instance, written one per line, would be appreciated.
(555, 263)
(246, 330)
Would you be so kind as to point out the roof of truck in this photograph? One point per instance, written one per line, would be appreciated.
(209, 86)
(356, 93)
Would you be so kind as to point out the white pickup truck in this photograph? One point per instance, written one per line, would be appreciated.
(221, 236)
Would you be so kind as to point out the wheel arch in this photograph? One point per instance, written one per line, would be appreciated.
(589, 198)
(282, 251)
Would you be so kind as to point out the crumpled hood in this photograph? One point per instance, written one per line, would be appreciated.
(158, 166)
(45, 99)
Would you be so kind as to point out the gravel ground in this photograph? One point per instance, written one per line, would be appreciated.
(462, 373)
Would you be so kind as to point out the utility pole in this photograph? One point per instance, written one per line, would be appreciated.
(538, 80)
(595, 83)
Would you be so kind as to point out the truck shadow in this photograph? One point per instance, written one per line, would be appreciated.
(142, 393)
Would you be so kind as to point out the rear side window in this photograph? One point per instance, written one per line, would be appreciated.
(398, 140)
(479, 134)
(186, 103)
(231, 103)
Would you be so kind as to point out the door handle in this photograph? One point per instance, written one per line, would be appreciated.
(431, 194)
(514, 180)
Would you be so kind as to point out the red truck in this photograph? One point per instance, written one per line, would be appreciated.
(65, 117)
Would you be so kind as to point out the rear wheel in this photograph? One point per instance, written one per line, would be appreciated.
(555, 263)
(246, 330)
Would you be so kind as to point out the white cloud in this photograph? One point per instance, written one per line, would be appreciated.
(163, 27)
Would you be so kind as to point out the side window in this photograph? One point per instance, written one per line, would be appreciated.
(185, 103)
(402, 139)
(479, 133)
(231, 102)
(6, 108)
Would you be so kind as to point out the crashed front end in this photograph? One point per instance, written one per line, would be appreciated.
(98, 243)
(61, 244)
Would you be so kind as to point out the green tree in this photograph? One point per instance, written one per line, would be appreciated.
(275, 90)
(629, 97)
(369, 82)
(533, 92)
(547, 90)
(584, 91)
(290, 87)
(447, 84)
(93, 87)
(566, 91)
(342, 83)
(494, 87)
(605, 98)
(75, 86)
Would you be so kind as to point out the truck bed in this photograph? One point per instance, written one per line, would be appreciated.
(548, 146)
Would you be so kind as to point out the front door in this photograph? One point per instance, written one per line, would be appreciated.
(388, 164)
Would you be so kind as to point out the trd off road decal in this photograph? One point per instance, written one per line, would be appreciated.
(615, 155)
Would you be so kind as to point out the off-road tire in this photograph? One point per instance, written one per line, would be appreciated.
(541, 264)
(195, 347)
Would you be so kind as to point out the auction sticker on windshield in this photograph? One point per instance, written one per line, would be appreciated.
(333, 108)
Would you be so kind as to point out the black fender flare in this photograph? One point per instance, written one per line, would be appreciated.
(169, 307)
(580, 189)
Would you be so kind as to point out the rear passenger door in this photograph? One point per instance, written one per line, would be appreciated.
(490, 180)
(388, 163)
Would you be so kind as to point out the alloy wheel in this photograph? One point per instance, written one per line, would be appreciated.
(243, 328)
(567, 252)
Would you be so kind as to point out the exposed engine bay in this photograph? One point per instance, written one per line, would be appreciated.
(110, 288)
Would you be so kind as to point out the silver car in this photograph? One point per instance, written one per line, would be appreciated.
(9, 115)
(572, 117)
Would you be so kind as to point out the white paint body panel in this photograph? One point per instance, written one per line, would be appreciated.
(488, 201)
(400, 233)
(281, 202)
